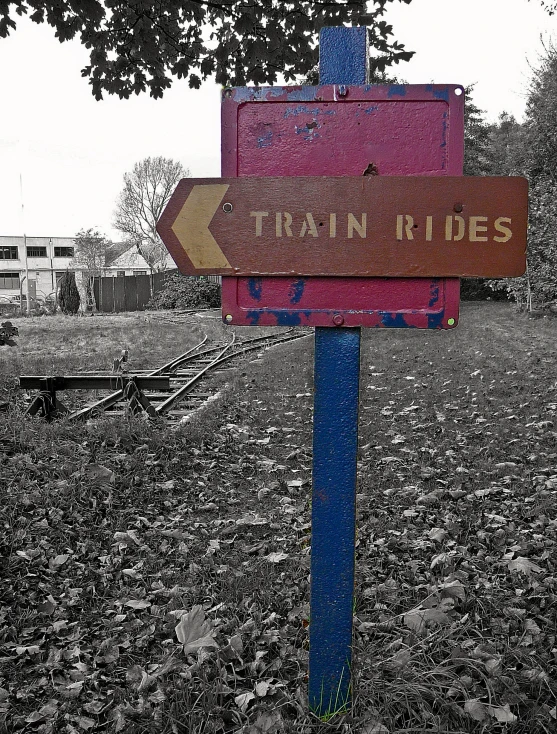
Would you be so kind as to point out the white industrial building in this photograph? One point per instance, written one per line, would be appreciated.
(33, 265)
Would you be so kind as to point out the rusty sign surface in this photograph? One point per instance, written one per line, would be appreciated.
(390, 226)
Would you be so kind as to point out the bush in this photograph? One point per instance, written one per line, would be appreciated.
(181, 291)
(479, 289)
(68, 295)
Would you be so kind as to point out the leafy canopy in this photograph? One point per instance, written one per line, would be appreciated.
(138, 46)
(91, 248)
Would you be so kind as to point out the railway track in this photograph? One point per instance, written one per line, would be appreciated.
(185, 389)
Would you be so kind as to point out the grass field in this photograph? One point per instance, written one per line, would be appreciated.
(124, 545)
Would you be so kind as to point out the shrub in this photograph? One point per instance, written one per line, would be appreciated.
(68, 295)
(181, 291)
(479, 289)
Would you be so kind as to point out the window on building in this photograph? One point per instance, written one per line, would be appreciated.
(120, 273)
(36, 252)
(59, 274)
(9, 281)
(63, 251)
(8, 253)
(140, 272)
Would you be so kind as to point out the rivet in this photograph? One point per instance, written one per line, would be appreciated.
(450, 322)
(227, 207)
(458, 207)
(343, 90)
(338, 319)
(228, 93)
(228, 318)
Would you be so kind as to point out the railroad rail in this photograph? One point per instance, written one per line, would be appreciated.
(157, 393)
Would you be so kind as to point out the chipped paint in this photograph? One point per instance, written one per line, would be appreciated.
(266, 140)
(255, 287)
(396, 321)
(296, 291)
(441, 94)
(434, 291)
(397, 90)
(435, 320)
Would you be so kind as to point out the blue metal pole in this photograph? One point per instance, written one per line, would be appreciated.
(343, 59)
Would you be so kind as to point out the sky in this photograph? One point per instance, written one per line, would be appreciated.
(63, 154)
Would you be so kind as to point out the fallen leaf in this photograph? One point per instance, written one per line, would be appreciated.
(373, 727)
(194, 631)
(501, 713)
(243, 701)
(475, 709)
(523, 565)
(138, 604)
(418, 619)
(98, 473)
(276, 557)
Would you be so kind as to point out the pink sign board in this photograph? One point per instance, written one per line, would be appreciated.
(334, 130)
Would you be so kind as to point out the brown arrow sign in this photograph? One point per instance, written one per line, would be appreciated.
(391, 226)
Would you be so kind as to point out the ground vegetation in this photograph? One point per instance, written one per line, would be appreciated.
(182, 291)
(157, 581)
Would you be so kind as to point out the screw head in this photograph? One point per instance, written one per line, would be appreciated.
(458, 207)
(228, 92)
(338, 319)
(228, 318)
(227, 207)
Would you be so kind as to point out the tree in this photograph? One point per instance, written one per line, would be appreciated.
(537, 154)
(549, 5)
(68, 295)
(146, 192)
(476, 138)
(91, 248)
(507, 149)
(136, 45)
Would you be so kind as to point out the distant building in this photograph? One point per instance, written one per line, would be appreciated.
(46, 259)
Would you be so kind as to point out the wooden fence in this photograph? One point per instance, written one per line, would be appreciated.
(130, 292)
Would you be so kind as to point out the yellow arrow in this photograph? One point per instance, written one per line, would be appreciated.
(192, 226)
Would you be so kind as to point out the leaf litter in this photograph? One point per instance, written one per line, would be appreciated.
(159, 582)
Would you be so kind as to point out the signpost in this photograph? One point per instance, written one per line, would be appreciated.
(386, 226)
(342, 205)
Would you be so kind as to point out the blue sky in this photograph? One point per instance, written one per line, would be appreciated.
(71, 152)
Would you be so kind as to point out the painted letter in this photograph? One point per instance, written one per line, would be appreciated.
(332, 225)
(428, 228)
(449, 228)
(259, 221)
(287, 224)
(308, 225)
(400, 226)
(505, 231)
(353, 224)
(475, 228)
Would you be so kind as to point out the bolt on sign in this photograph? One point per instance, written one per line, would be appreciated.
(391, 226)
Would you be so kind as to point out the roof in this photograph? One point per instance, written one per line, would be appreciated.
(116, 250)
